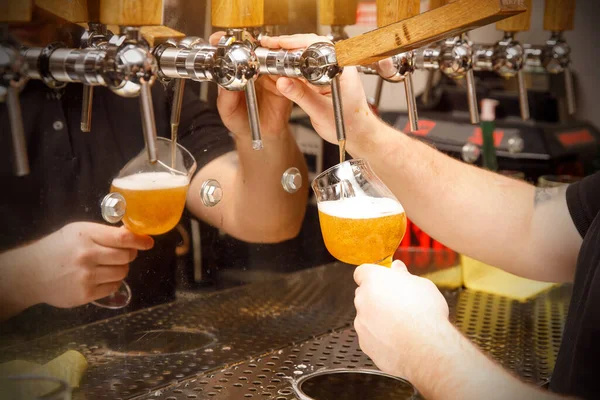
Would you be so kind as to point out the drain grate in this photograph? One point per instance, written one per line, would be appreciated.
(284, 320)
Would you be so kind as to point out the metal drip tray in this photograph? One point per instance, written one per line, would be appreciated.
(346, 384)
(159, 341)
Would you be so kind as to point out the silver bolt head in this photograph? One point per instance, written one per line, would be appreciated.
(516, 144)
(470, 152)
(291, 180)
(113, 207)
(211, 193)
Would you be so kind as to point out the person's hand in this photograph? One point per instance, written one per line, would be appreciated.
(396, 314)
(274, 109)
(82, 262)
(316, 101)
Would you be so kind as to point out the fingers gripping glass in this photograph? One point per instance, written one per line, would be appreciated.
(149, 198)
(361, 220)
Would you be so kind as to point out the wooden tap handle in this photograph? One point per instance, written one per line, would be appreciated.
(16, 11)
(238, 13)
(390, 11)
(423, 29)
(337, 12)
(518, 23)
(276, 12)
(75, 11)
(131, 12)
(156, 35)
(433, 4)
(559, 15)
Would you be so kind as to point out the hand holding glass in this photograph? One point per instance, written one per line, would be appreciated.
(149, 198)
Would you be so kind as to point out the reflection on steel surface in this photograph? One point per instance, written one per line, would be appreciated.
(284, 324)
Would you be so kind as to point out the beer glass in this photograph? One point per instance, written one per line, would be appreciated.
(361, 220)
(149, 198)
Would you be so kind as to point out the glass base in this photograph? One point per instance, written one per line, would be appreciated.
(386, 262)
(119, 299)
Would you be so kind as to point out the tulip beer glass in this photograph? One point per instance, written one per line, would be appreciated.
(361, 220)
(148, 198)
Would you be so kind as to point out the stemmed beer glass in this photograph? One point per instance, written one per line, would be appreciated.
(361, 220)
(149, 198)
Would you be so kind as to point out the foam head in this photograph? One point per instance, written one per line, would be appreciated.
(361, 207)
(151, 181)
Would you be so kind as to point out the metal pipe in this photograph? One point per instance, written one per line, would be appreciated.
(86, 108)
(411, 103)
(570, 92)
(338, 114)
(178, 91)
(148, 120)
(472, 97)
(253, 115)
(20, 158)
(378, 91)
(523, 96)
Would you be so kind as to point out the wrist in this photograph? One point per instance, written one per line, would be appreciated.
(374, 139)
(18, 279)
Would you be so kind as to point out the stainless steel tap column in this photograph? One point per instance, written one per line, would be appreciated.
(12, 66)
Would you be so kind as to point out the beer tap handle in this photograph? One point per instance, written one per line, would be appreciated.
(20, 158)
(148, 120)
(253, 115)
(472, 97)
(86, 108)
(559, 15)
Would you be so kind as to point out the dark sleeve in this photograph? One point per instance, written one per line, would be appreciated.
(201, 130)
(583, 200)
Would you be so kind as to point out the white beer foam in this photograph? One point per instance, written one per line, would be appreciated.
(361, 207)
(151, 181)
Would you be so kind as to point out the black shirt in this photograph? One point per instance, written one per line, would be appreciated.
(577, 367)
(71, 171)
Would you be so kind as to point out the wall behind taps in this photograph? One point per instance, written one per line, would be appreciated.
(585, 57)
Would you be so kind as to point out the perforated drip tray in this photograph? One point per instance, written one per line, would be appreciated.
(159, 341)
(347, 384)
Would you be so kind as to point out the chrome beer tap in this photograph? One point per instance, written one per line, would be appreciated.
(232, 64)
(507, 59)
(317, 64)
(12, 79)
(556, 58)
(96, 37)
(124, 65)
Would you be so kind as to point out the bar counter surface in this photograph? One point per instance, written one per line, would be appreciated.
(256, 341)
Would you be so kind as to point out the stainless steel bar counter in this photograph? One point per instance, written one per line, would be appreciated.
(256, 341)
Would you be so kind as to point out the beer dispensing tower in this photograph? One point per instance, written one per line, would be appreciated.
(12, 68)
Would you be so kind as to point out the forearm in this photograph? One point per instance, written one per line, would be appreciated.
(15, 281)
(471, 210)
(261, 200)
(451, 367)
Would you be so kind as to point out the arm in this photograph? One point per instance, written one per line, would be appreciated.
(402, 324)
(503, 222)
(77, 264)
(255, 208)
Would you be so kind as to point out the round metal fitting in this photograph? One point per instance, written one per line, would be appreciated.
(515, 144)
(113, 207)
(291, 180)
(557, 55)
(235, 65)
(457, 57)
(508, 57)
(395, 68)
(211, 193)
(470, 152)
(318, 64)
(43, 65)
(11, 63)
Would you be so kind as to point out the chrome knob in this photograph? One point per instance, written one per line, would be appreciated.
(211, 193)
(291, 180)
(470, 153)
(516, 144)
(113, 207)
